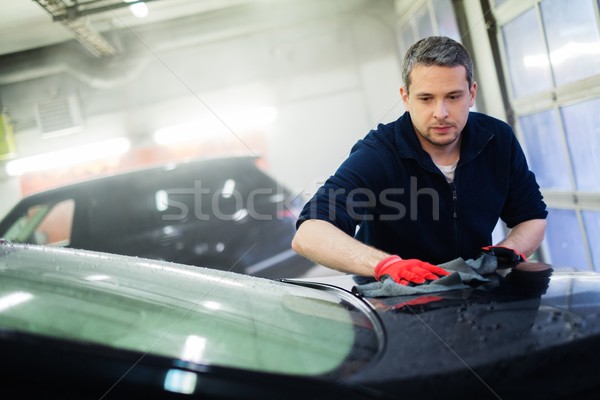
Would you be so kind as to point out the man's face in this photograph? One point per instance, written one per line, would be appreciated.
(439, 102)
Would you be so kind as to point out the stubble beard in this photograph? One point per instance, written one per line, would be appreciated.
(444, 142)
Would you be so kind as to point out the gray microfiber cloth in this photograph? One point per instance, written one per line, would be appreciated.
(464, 274)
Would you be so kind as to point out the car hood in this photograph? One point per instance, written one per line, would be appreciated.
(532, 331)
(528, 333)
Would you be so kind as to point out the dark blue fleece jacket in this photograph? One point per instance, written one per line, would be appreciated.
(390, 188)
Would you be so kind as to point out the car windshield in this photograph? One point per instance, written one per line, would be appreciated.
(193, 314)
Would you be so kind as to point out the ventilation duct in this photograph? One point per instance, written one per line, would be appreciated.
(83, 32)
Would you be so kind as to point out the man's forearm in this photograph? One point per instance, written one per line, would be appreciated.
(526, 237)
(327, 245)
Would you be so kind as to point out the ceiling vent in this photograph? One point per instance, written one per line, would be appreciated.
(60, 116)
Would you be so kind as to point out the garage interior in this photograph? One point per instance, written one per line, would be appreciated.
(294, 82)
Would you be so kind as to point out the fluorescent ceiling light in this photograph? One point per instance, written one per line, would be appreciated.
(236, 122)
(139, 9)
(67, 157)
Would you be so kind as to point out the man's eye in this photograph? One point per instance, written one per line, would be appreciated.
(424, 98)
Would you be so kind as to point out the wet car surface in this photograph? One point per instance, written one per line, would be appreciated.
(82, 324)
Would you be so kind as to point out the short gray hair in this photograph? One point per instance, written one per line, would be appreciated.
(437, 50)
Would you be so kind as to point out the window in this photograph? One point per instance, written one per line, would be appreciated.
(48, 224)
(546, 156)
(424, 23)
(446, 19)
(564, 240)
(582, 122)
(187, 313)
(426, 18)
(551, 57)
(573, 39)
(527, 59)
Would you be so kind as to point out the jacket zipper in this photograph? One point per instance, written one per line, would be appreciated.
(455, 214)
(454, 201)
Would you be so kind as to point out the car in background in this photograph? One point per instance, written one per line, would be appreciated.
(77, 324)
(223, 213)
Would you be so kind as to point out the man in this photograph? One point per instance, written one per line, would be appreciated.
(428, 187)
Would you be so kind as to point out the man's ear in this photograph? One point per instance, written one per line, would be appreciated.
(473, 94)
(404, 95)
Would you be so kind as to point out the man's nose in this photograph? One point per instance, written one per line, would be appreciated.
(440, 111)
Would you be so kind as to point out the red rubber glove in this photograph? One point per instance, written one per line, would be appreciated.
(409, 271)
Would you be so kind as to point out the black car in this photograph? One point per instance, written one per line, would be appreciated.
(222, 213)
(77, 324)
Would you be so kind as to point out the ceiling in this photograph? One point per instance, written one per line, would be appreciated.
(25, 24)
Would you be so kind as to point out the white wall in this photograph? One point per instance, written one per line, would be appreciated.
(10, 194)
(324, 111)
(332, 73)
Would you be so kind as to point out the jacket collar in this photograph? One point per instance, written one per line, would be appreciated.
(474, 139)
